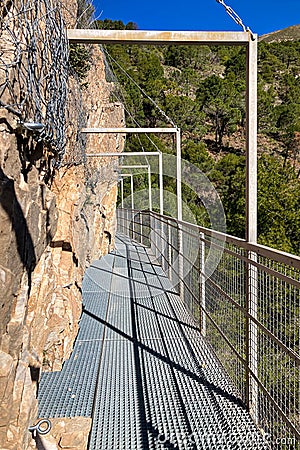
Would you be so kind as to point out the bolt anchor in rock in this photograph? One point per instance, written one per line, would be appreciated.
(42, 427)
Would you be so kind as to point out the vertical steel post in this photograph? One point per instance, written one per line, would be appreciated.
(132, 206)
(141, 218)
(161, 186)
(202, 284)
(122, 193)
(122, 205)
(170, 266)
(251, 227)
(150, 188)
(159, 242)
(178, 174)
(131, 188)
(179, 213)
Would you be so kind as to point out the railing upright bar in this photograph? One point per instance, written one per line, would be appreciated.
(178, 174)
(161, 184)
(202, 284)
(150, 188)
(159, 240)
(180, 262)
(141, 227)
(152, 228)
(179, 214)
(163, 246)
(122, 193)
(169, 251)
(130, 217)
(252, 337)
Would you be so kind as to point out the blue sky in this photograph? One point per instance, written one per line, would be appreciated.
(261, 16)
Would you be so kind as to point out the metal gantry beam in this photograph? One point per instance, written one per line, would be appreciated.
(158, 37)
(128, 130)
(166, 130)
(118, 154)
(159, 154)
(145, 166)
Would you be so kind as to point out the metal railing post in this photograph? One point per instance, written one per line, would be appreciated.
(150, 188)
(169, 251)
(122, 193)
(202, 285)
(132, 206)
(161, 186)
(165, 247)
(121, 216)
(158, 241)
(141, 227)
(131, 189)
(178, 174)
(161, 202)
(179, 213)
(127, 223)
(251, 229)
(180, 261)
(152, 234)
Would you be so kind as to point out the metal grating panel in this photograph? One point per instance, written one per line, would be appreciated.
(70, 393)
(116, 422)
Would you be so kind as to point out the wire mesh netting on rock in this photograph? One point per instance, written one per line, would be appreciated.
(34, 68)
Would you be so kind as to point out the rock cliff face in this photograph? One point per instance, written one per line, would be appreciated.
(53, 223)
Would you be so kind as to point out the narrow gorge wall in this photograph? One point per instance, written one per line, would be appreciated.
(54, 221)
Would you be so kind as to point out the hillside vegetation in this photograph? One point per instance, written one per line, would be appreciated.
(287, 34)
(202, 89)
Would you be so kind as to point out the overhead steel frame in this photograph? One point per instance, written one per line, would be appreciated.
(249, 40)
(131, 187)
(175, 131)
(145, 166)
(123, 175)
(159, 154)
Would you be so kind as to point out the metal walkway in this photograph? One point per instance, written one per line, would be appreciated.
(141, 369)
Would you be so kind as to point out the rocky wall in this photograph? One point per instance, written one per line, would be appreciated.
(67, 433)
(53, 224)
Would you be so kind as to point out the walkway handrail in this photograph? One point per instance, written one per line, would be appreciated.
(259, 348)
(262, 250)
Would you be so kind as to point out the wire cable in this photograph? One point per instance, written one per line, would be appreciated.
(235, 17)
(126, 107)
(168, 119)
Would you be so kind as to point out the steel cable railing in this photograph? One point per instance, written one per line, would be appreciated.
(257, 343)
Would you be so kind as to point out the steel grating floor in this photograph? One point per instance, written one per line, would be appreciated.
(141, 369)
